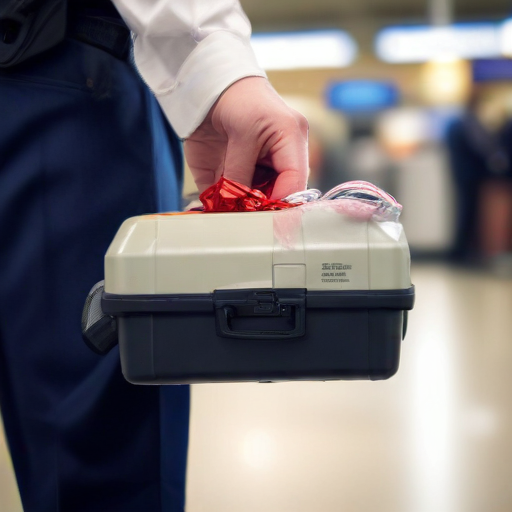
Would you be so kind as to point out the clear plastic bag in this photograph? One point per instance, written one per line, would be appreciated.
(358, 199)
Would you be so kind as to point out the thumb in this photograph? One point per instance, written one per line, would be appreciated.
(290, 161)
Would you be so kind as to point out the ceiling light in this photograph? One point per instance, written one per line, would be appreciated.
(413, 44)
(303, 50)
(506, 38)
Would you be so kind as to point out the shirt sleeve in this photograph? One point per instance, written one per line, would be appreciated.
(189, 52)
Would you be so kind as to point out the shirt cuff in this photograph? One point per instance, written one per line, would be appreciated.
(217, 62)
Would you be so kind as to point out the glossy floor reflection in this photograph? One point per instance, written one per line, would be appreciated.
(9, 498)
(437, 437)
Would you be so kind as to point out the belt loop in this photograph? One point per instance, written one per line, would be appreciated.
(106, 34)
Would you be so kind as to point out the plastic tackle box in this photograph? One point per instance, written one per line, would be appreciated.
(299, 294)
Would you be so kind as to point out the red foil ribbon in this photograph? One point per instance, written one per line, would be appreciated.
(230, 196)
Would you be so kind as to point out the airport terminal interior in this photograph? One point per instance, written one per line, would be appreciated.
(414, 96)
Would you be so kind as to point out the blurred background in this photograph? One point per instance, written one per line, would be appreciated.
(416, 97)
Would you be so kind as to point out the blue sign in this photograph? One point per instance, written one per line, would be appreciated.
(361, 96)
(489, 70)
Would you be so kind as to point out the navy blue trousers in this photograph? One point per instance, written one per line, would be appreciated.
(83, 146)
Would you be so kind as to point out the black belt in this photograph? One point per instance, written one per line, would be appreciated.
(107, 34)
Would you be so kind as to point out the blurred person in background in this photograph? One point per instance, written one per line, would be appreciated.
(480, 150)
(83, 146)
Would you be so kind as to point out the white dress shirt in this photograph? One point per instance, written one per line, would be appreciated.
(189, 52)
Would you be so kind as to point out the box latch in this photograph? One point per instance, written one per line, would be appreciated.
(273, 314)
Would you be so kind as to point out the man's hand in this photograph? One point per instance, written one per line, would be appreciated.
(250, 125)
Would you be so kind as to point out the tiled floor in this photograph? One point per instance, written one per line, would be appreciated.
(437, 437)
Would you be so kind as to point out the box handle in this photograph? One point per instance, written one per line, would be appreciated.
(99, 330)
(258, 309)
